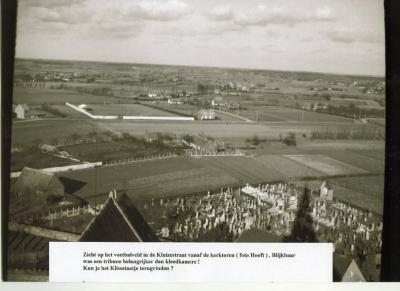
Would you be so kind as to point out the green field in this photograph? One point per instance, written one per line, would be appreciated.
(37, 160)
(25, 132)
(118, 149)
(127, 109)
(365, 192)
(326, 165)
(185, 175)
(287, 167)
(56, 96)
(221, 130)
(278, 113)
(165, 177)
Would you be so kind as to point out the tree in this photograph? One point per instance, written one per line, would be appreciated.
(303, 229)
(255, 140)
(202, 88)
(290, 139)
(188, 138)
(92, 134)
(75, 136)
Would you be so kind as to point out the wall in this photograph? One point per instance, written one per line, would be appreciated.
(43, 232)
(63, 168)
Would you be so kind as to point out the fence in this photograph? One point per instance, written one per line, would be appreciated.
(203, 153)
(57, 214)
(133, 160)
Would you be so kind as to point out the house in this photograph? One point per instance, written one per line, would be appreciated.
(118, 221)
(175, 101)
(34, 181)
(346, 269)
(218, 101)
(23, 111)
(206, 114)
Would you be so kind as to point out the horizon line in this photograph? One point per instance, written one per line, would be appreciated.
(205, 66)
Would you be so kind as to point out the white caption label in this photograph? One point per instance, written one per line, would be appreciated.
(190, 262)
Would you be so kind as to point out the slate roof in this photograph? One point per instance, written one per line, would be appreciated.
(37, 180)
(118, 221)
(345, 269)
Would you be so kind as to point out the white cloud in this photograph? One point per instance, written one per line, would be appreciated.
(50, 3)
(221, 13)
(66, 15)
(263, 15)
(158, 10)
(348, 35)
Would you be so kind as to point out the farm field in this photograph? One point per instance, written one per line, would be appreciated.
(326, 165)
(192, 110)
(37, 160)
(184, 175)
(375, 154)
(56, 96)
(127, 109)
(221, 130)
(244, 169)
(358, 159)
(378, 121)
(278, 113)
(366, 192)
(117, 150)
(25, 132)
(165, 177)
(287, 167)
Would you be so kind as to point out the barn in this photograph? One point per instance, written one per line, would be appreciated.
(34, 181)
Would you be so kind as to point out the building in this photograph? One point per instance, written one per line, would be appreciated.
(175, 101)
(34, 181)
(218, 101)
(23, 111)
(325, 193)
(118, 221)
(346, 269)
(206, 114)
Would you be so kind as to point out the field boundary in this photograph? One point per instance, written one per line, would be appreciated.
(130, 117)
(63, 168)
(134, 160)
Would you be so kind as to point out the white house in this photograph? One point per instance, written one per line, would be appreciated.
(23, 111)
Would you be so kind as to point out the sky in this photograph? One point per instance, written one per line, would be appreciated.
(332, 36)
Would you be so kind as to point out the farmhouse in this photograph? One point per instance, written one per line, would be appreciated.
(206, 114)
(218, 101)
(23, 111)
(118, 221)
(33, 181)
